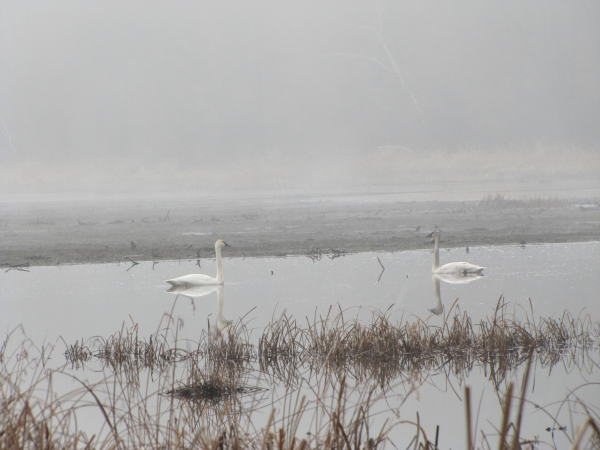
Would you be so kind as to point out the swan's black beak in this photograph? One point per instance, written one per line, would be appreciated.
(430, 235)
(226, 244)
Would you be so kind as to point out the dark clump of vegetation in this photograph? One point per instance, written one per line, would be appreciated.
(501, 201)
(316, 254)
(211, 391)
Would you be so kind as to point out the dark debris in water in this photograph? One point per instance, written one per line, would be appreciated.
(316, 253)
(211, 391)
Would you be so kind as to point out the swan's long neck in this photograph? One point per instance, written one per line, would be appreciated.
(436, 253)
(219, 264)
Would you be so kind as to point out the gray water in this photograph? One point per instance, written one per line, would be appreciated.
(87, 300)
(74, 302)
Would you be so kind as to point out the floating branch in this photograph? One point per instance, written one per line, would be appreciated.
(336, 253)
(382, 269)
(21, 267)
(133, 263)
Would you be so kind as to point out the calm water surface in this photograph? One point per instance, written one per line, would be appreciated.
(86, 300)
(75, 302)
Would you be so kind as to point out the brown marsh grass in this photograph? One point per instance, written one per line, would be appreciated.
(374, 350)
(208, 394)
(128, 415)
(383, 351)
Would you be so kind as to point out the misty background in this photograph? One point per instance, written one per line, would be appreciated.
(156, 96)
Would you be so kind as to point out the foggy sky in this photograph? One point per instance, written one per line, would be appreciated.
(220, 81)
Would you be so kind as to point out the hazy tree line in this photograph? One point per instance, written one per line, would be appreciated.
(191, 80)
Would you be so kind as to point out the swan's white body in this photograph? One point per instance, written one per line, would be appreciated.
(199, 279)
(457, 268)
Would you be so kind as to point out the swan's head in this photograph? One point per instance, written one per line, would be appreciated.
(221, 243)
(435, 233)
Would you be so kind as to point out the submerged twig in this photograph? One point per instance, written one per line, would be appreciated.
(382, 269)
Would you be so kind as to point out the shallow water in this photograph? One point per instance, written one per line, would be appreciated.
(88, 300)
(74, 302)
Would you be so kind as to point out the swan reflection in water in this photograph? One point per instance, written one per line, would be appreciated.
(200, 291)
(452, 278)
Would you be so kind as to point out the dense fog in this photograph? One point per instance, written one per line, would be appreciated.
(138, 95)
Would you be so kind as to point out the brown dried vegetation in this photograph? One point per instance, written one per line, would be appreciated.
(208, 393)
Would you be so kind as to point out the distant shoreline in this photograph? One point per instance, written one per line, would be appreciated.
(54, 233)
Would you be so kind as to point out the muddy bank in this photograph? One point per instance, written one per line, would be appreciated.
(105, 232)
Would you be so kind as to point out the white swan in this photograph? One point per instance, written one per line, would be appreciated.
(459, 268)
(198, 279)
(194, 291)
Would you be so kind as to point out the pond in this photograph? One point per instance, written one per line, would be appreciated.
(61, 305)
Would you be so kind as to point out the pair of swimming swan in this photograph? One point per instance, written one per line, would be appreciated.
(198, 285)
(456, 269)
